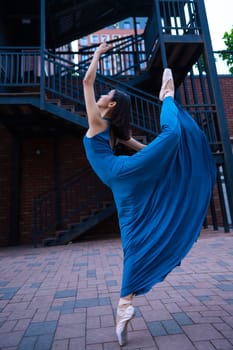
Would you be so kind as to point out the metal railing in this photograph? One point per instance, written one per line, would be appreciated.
(63, 79)
(19, 66)
(126, 57)
(179, 17)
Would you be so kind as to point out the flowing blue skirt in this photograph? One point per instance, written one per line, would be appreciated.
(162, 195)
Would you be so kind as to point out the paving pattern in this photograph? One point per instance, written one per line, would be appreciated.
(65, 298)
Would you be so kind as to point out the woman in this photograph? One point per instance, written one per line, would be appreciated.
(162, 192)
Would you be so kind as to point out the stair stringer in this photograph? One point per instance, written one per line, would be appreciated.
(62, 113)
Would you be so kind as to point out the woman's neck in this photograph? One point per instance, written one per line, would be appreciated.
(104, 112)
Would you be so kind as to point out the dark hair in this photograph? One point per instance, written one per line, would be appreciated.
(120, 115)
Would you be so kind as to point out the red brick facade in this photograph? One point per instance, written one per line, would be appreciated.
(226, 85)
(38, 170)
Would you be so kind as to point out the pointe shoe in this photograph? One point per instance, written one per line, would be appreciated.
(123, 318)
(167, 88)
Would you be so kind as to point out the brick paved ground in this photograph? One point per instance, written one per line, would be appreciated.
(65, 298)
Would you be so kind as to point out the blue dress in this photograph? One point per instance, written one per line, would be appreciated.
(162, 194)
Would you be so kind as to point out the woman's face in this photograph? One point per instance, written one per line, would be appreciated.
(104, 100)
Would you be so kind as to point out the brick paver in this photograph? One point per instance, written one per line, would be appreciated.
(65, 297)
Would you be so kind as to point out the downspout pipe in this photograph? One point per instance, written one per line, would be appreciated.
(42, 53)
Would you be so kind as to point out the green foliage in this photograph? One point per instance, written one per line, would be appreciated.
(201, 63)
(228, 54)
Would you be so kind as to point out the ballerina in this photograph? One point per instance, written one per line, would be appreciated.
(162, 191)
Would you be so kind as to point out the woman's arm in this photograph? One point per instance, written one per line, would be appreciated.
(92, 109)
(132, 143)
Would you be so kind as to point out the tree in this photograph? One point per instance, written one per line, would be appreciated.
(227, 55)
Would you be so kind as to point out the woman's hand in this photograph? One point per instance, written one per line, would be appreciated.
(102, 48)
(91, 72)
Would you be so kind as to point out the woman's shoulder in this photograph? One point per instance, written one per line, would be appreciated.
(93, 134)
(98, 129)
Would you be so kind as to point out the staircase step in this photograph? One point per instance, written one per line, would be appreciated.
(61, 233)
(72, 225)
(84, 218)
(50, 241)
(70, 108)
(80, 228)
(95, 211)
(82, 113)
(55, 101)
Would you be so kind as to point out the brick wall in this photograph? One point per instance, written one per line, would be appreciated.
(37, 168)
(226, 85)
(5, 178)
(38, 172)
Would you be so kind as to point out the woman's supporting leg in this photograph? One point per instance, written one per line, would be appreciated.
(124, 301)
(125, 312)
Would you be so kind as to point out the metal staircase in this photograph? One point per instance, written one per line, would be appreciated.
(81, 209)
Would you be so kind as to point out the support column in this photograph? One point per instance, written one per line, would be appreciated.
(42, 52)
(217, 99)
(57, 181)
(161, 41)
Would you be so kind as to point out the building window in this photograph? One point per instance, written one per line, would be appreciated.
(94, 38)
(84, 57)
(126, 25)
(115, 36)
(83, 41)
(104, 37)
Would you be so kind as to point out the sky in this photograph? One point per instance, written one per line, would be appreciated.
(220, 20)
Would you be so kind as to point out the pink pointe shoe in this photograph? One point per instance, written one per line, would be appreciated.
(167, 88)
(122, 320)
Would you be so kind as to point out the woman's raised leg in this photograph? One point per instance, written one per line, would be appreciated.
(169, 111)
(167, 87)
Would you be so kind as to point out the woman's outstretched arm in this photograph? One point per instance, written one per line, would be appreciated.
(92, 109)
